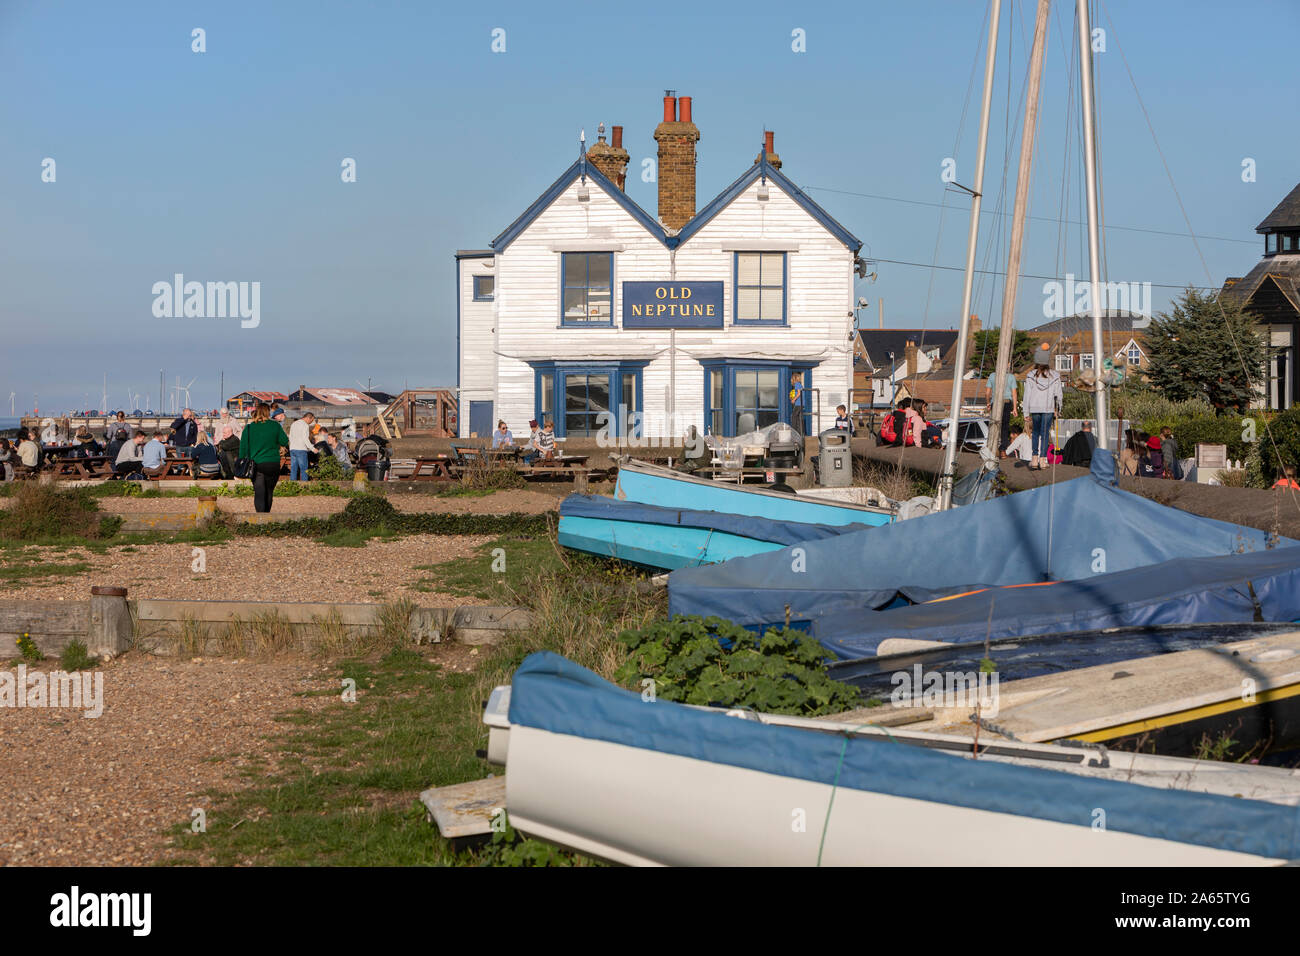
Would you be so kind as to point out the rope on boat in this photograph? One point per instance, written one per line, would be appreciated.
(844, 749)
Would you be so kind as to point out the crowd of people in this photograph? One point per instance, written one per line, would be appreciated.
(209, 448)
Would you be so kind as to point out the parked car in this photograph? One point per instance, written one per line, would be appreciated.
(137, 413)
(973, 433)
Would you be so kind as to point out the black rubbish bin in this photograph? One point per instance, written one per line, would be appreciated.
(377, 470)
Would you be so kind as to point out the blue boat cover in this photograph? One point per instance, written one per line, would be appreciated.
(1059, 532)
(1260, 586)
(553, 694)
(759, 529)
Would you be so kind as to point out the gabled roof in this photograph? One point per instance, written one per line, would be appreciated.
(333, 395)
(878, 343)
(1112, 321)
(1282, 270)
(579, 169)
(1286, 215)
(765, 169)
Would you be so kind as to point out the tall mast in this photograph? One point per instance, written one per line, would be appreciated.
(977, 193)
(1094, 254)
(1007, 334)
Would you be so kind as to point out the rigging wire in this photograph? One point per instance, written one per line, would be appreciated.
(1218, 300)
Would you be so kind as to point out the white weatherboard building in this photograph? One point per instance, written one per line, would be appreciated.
(588, 311)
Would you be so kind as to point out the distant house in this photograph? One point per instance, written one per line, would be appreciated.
(245, 401)
(329, 395)
(1271, 292)
(1122, 336)
(886, 361)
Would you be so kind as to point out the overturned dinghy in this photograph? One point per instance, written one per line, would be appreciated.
(671, 538)
(596, 768)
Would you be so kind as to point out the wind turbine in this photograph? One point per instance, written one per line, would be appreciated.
(186, 390)
(12, 396)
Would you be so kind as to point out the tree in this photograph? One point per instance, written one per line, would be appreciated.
(984, 355)
(1192, 353)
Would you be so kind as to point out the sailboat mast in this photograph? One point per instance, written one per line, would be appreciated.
(977, 193)
(1094, 243)
(1007, 334)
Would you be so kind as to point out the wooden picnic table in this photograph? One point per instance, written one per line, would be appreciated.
(80, 466)
(181, 464)
(430, 469)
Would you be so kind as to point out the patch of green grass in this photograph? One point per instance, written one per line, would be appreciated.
(497, 571)
(24, 573)
(343, 789)
(356, 537)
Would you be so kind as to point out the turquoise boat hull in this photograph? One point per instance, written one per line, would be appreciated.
(656, 546)
(653, 485)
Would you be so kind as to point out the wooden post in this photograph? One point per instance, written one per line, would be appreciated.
(205, 509)
(110, 622)
(1007, 333)
(580, 481)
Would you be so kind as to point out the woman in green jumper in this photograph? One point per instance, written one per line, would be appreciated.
(261, 441)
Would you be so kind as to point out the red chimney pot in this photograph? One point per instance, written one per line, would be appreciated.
(670, 109)
(685, 103)
(770, 139)
(618, 137)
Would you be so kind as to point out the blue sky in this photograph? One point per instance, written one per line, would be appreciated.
(225, 165)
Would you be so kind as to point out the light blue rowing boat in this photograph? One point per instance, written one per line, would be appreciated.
(672, 538)
(650, 484)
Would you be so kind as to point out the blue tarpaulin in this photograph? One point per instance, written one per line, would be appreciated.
(551, 693)
(760, 529)
(1261, 586)
(1069, 531)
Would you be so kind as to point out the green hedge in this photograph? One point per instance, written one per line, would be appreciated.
(1276, 446)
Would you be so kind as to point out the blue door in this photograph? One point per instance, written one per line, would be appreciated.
(480, 419)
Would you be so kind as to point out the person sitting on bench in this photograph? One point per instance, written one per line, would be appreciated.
(154, 456)
(130, 457)
(546, 441)
(29, 453)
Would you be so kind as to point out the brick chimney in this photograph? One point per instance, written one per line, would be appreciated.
(911, 359)
(676, 137)
(610, 160)
(769, 147)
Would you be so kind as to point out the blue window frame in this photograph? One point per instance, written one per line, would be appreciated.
(586, 399)
(586, 289)
(760, 288)
(484, 288)
(741, 395)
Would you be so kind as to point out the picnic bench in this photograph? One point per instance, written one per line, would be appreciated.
(81, 467)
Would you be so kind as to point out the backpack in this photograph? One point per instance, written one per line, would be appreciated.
(893, 430)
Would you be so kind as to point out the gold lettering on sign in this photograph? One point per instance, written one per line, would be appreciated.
(710, 308)
(686, 292)
(661, 292)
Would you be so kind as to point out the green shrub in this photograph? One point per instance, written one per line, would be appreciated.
(329, 468)
(369, 511)
(1275, 447)
(76, 657)
(1227, 430)
(40, 510)
(712, 661)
